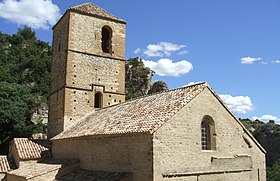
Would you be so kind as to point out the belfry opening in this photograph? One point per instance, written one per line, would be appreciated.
(106, 39)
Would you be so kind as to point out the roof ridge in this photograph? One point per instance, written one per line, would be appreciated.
(93, 9)
(185, 87)
(81, 5)
(148, 95)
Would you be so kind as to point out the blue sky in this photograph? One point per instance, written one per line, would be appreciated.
(233, 45)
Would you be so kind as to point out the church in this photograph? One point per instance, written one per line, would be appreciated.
(186, 134)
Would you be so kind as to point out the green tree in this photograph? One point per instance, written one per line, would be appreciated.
(25, 64)
(15, 110)
(273, 173)
(137, 78)
(26, 60)
(158, 86)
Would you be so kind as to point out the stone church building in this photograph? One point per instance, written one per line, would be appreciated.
(186, 134)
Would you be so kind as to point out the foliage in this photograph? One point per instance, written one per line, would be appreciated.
(268, 135)
(138, 79)
(25, 60)
(273, 173)
(158, 86)
(258, 127)
(15, 104)
(24, 76)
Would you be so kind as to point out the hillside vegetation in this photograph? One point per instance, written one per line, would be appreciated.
(268, 135)
(24, 83)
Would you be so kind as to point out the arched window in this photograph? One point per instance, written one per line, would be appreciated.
(98, 100)
(208, 134)
(106, 39)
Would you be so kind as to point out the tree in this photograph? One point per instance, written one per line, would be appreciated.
(26, 60)
(137, 78)
(15, 110)
(25, 65)
(158, 86)
(273, 173)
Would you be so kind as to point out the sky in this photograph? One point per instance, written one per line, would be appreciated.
(234, 45)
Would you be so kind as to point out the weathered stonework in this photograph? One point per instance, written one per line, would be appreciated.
(173, 150)
(232, 160)
(121, 153)
(80, 68)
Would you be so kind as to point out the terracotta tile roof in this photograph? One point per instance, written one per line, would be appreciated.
(144, 114)
(5, 164)
(34, 169)
(92, 9)
(29, 149)
(92, 176)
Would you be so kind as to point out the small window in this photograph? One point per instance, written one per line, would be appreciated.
(98, 100)
(208, 135)
(106, 39)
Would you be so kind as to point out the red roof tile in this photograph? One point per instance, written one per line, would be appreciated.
(30, 149)
(144, 114)
(34, 169)
(4, 164)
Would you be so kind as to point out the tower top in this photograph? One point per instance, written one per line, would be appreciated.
(93, 10)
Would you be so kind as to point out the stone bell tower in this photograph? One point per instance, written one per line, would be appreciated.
(88, 65)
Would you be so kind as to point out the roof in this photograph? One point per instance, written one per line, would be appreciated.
(34, 169)
(92, 9)
(92, 176)
(30, 149)
(145, 114)
(5, 164)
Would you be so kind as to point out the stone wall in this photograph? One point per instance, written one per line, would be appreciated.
(56, 113)
(80, 69)
(123, 153)
(85, 35)
(59, 53)
(58, 76)
(177, 146)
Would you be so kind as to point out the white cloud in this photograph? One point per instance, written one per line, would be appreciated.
(33, 13)
(166, 67)
(184, 52)
(266, 118)
(162, 49)
(138, 50)
(250, 60)
(238, 104)
(191, 83)
(276, 61)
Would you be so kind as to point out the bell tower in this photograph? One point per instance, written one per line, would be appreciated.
(88, 65)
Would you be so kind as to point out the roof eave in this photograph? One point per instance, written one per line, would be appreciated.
(103, 135)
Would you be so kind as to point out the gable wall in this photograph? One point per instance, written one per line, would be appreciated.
(13, 153)
(129, 153)
(177, 146)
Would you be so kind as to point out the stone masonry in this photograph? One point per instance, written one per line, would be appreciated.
(80, 68)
